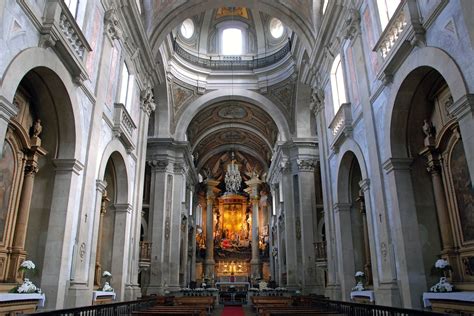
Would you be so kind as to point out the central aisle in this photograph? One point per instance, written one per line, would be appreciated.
(233, 311)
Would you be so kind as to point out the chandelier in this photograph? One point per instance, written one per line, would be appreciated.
(232, 177)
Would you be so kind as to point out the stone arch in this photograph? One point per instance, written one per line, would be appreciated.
(115, 151)
(56, 76)
(349, 148)
(237, 94)
(417, 64)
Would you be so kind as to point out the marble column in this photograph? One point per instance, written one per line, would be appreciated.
(211, 195)
(291, 240)
(344, 248)
(307, 212)
(253, 186)
(405, 230)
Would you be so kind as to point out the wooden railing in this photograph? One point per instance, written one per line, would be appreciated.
(349, 308)
(320, 250)
(122, 308)
(145, 251)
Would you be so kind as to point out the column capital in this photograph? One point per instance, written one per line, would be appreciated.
(364, 185)
(341, 207)
(112, 27)
(392, 164)
(147, 100)
(101, 185)
(123, 208)
(307, 165)
(68, 165)
(159, 165)
(31, 167)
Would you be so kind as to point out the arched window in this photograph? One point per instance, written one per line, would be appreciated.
(337, 84)
(126, 89)
(386, 10)
(232, 41)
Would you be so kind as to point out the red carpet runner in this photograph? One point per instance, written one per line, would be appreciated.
(233, 311)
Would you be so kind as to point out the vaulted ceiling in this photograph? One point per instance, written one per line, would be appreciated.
(229, 126)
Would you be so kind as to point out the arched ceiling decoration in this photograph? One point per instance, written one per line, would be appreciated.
(164, 16)
(230, 124)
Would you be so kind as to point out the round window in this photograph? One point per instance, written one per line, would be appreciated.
(276, 28)
(187, 28)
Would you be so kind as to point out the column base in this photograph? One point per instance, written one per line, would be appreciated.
(388, 294)
(79, 294)
(132, 292)
(333, 291)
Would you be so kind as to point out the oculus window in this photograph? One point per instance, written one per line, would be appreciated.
(187, 28)
(232, 41)
(276, 28)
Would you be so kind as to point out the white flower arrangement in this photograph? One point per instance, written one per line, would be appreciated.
(360, 278)
(212, 289)
(107, 287)
(106, 274)
(253, 289)
(441, 267)
(262, 285)
(27, 286)
(281, 289)
(442, 286)
(27, 265)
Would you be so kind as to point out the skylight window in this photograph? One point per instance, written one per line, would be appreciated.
(187, 28)
(276, 28)
(232, 41)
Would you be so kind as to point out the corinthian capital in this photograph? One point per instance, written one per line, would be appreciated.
(147, 100)
(307, 164)
(317, 100)
(112, 25)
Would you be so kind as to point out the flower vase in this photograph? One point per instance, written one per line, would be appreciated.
(442, 286)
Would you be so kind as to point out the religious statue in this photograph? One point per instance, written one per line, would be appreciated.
(428, 128)
(37, 128)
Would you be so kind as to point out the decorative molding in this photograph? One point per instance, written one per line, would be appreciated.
(341, 207)
(7, 109)
(101, 185)
(341, 126)
(123, 208)
(351, 26)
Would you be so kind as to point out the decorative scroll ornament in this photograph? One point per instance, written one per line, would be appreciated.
(147, 100)
(233, 179)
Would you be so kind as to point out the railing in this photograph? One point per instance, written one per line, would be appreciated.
(320, 250)
(393, 30)
(124, 126)
(145, 251)
(122, 308)
(232, 62)
(358, 309)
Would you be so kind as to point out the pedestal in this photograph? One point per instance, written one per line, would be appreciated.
(450, 302)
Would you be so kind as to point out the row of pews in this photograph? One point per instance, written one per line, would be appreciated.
(180, 306)
(271, 305)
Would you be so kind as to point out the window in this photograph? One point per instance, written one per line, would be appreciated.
(232, 41)
(337, 84)
(386, 9)
(276, 28)
(325, 5)
(72, 6)
(126, 89)
(187, 28)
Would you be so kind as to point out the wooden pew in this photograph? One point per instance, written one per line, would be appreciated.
(174, 310)
(207, 301)
(295, 310)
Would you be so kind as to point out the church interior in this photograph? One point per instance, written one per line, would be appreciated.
(308, 153)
